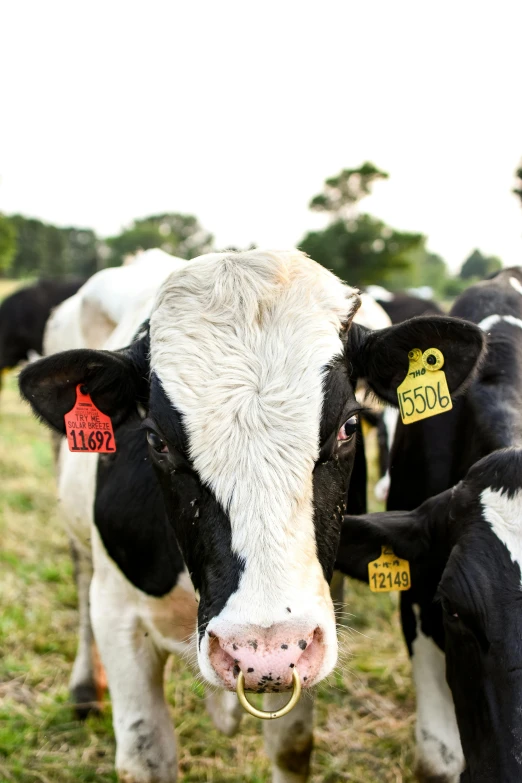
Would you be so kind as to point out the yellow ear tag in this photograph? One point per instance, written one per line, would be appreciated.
(388, 573)
(424, 392)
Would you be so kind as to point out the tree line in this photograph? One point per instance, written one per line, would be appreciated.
(355, 245)
(30, 247)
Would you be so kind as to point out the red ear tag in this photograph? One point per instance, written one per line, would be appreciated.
(87, 428)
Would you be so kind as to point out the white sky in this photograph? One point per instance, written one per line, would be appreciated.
(237, 112)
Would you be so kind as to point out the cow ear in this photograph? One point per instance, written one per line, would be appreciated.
(381, 356)
(413, 535)
(115, 381)
(362, 538)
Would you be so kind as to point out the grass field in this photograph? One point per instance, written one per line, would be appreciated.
(364, 714)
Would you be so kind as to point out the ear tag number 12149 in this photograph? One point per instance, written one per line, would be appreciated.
(424, 392)
(87, 428)
(388, 573)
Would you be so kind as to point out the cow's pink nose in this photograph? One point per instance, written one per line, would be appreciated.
(266, 657)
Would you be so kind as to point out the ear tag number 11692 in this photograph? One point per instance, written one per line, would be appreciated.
(87, 428)
(424, 392)
(388, 573)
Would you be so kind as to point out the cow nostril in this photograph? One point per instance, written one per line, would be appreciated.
(221, 660)
(311, 648)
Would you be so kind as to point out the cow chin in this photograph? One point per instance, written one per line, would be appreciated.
(268, 654)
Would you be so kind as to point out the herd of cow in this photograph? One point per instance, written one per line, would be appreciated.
(238, 485)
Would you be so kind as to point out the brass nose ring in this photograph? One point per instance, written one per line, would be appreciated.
(294, 698)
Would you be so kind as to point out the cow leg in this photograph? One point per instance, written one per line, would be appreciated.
(289, 740)
(225, 711)
(439, 751)
(146, 745)
(83, 686)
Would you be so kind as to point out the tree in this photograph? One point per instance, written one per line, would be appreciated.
(44, 250)
(179, 235)
(479, 266)
(39, 248)
(82, 251)
(363, 251)
(341, 193)
(7, 243)
(357, 247)
(425, 269)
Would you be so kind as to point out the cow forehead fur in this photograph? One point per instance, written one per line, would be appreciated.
(240, 343)
(503, 511)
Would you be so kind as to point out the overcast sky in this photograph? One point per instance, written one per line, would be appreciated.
(237, 112)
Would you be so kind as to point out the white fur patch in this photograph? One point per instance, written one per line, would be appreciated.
(492, 320)
(371, 314)
(378, 292)
(516, 284)
(439, 750)
(240, 344)
(504, 514)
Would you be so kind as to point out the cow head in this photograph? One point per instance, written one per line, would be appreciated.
(247, 374)
(465, 546)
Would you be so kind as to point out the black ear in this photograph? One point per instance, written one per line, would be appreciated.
(418, 535)
(362, 538)
(381, 356)
(116, 381)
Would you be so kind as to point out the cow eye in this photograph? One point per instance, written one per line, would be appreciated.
(348, 429)
(449, 609)
(156, 442)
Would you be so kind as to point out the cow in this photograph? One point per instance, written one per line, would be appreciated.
(433, 455)
(87, 319)
(467, 542)
(402, 306)
(23, 316)
(106, 311)
(238, 395)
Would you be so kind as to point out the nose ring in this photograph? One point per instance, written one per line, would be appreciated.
(294, 698)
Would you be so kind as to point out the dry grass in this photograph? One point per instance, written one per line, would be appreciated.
(8, 287)
(364, 712)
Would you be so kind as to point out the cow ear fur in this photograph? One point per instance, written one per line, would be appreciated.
(115, 380)
(381, 356)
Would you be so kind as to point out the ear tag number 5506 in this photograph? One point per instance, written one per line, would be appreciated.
(424, 392)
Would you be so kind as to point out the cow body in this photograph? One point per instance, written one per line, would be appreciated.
(432, 455)
(246, 379)
(23, 316)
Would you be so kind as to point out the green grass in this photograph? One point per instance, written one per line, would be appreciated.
(365, 711)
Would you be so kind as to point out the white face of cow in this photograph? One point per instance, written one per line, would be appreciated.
(240, 351)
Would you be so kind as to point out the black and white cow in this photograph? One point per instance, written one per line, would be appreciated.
(23, 316)
(468, 542)
(433, 455)
(246, 379)
(402, 306)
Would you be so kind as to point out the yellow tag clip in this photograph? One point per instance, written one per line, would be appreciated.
(424, 392)
(388, 573)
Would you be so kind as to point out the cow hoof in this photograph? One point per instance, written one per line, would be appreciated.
(428, 777)
(130, 777)
(85, 701)
(225, 712)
